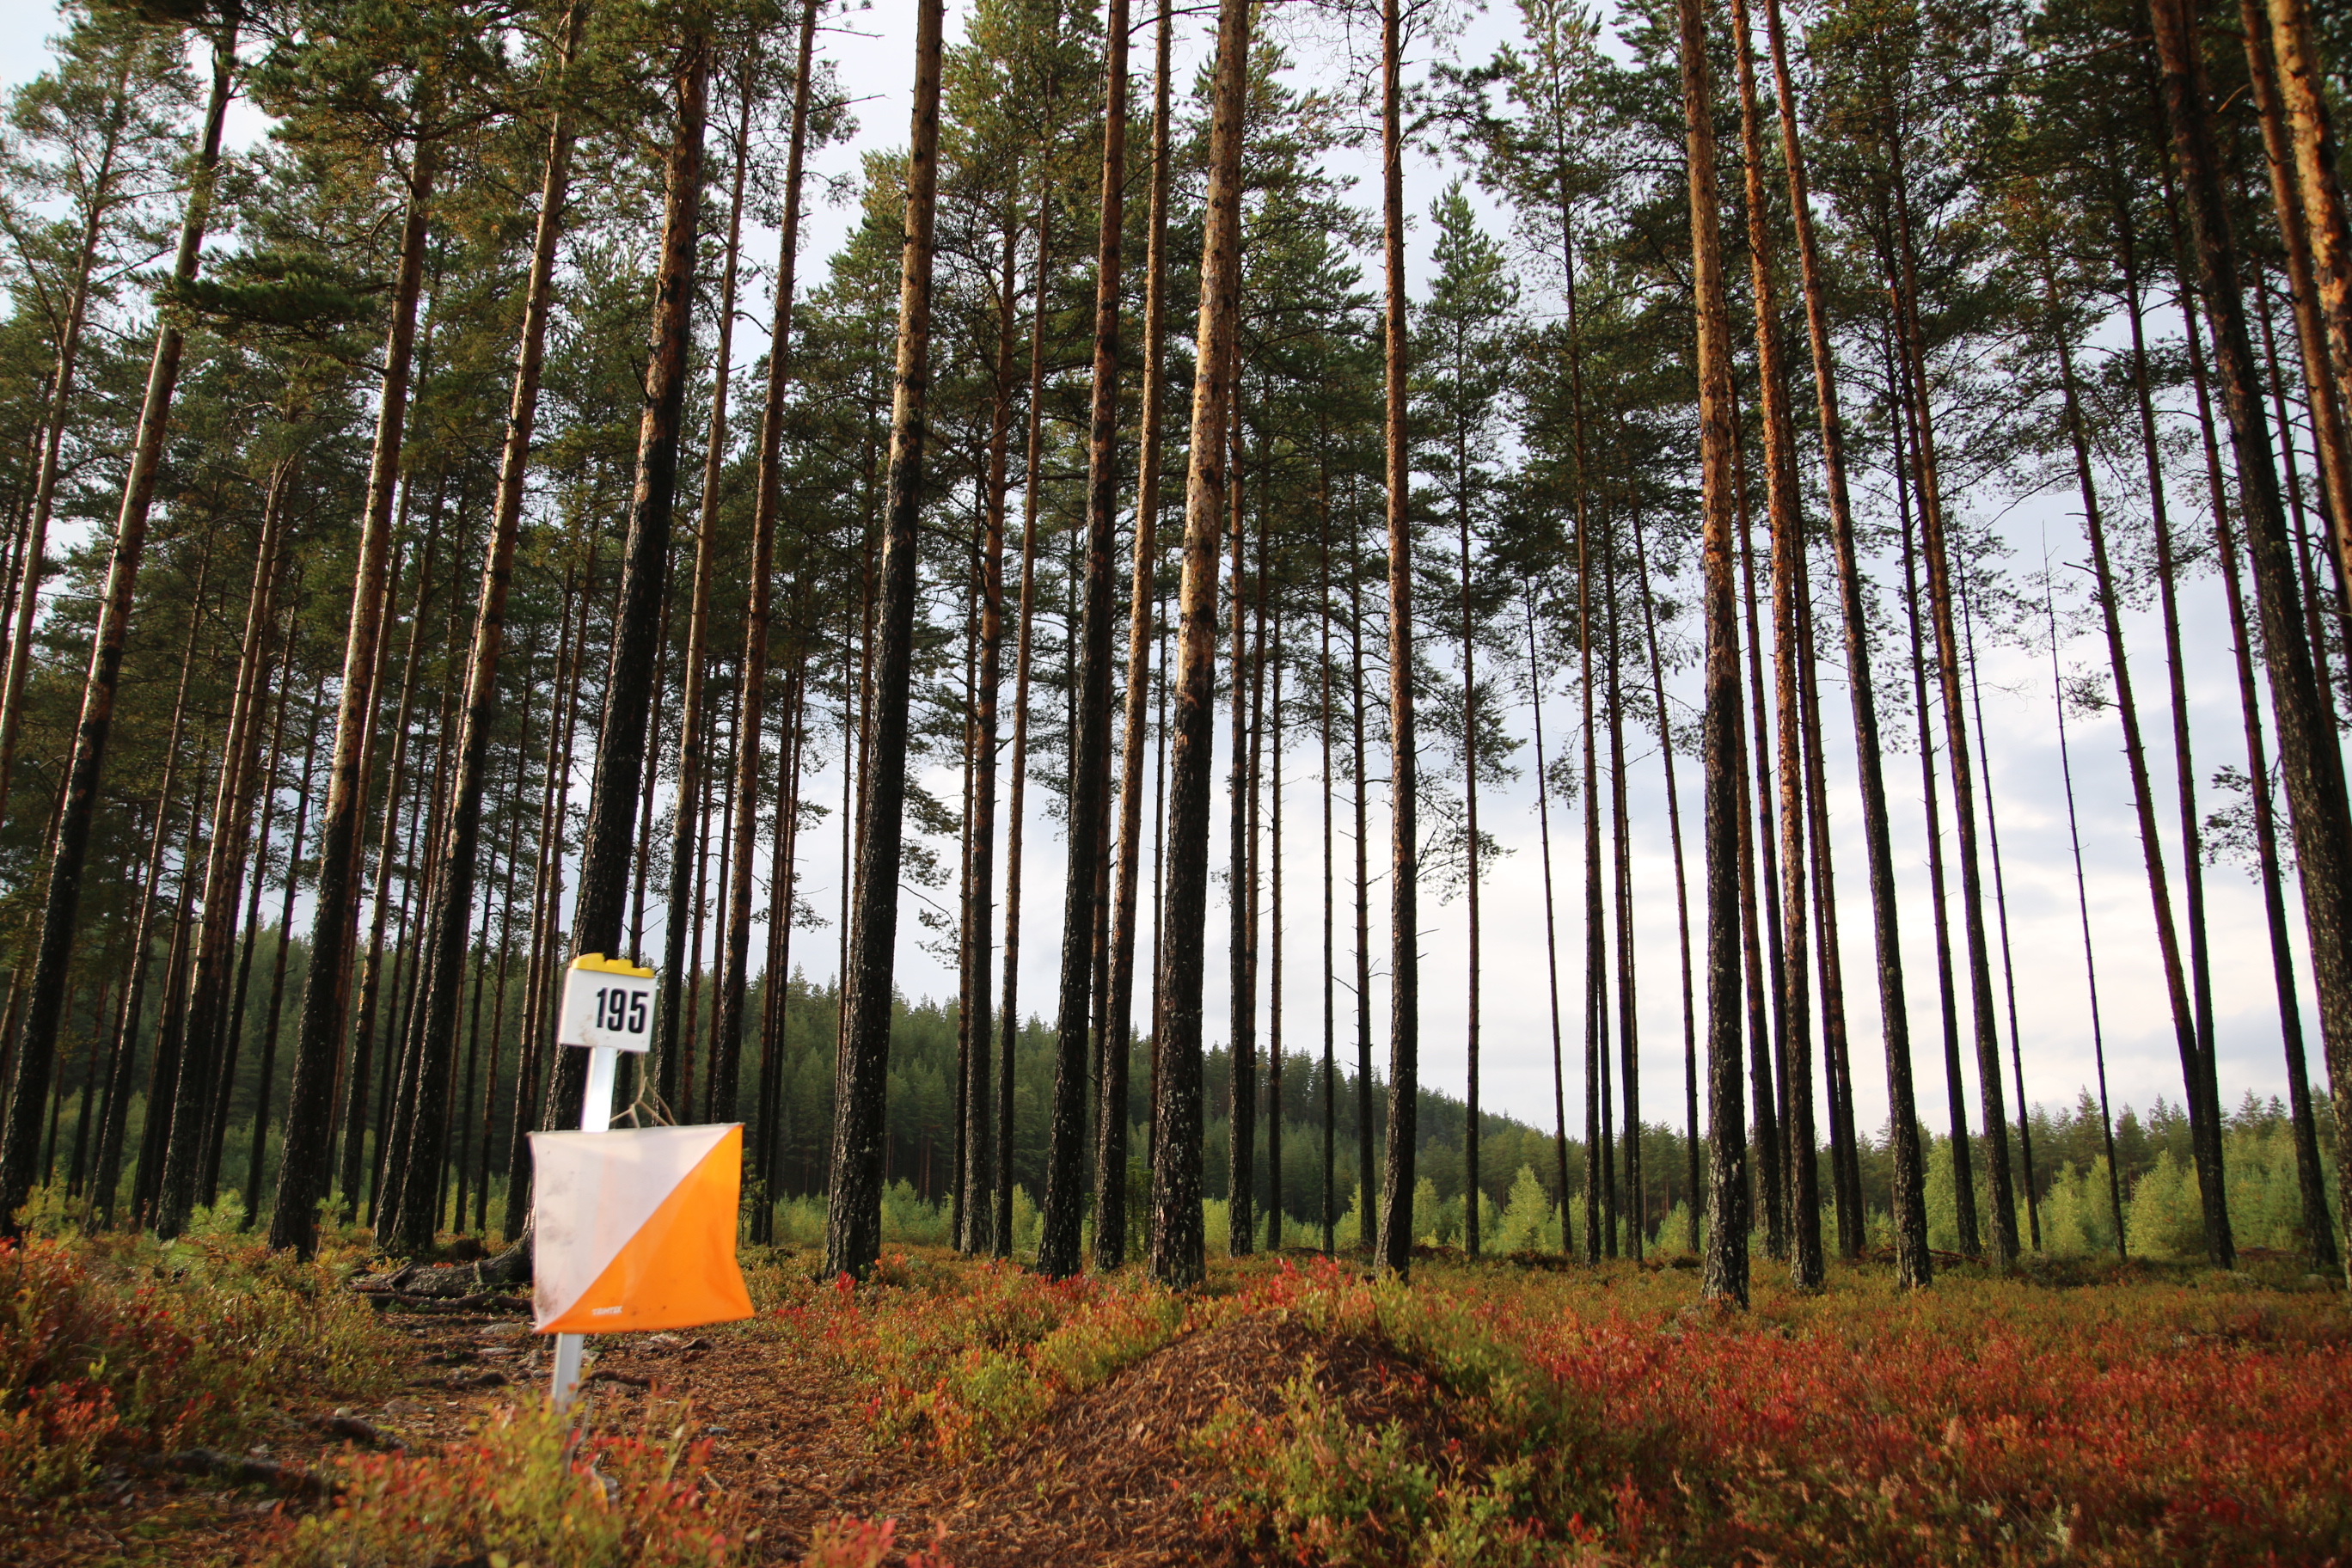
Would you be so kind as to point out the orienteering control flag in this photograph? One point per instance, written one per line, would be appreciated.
(636, 1229)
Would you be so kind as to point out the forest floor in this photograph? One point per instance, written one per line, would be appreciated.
(1499, 1412)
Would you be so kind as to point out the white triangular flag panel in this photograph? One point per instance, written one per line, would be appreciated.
(636, 1228)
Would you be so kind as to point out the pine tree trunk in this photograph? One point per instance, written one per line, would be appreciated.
(268, 1074)
(51, 436)
(853, 1223)
(547, 897)
(1274, 1214)
(1330, 909)
(1177, 1255)
(2321, 381)
(2218, 1247)
(1470, 1238)
(1366, 1150)
(1682, 887)
(1404, 871)
(69, 856)
(2001, 913)
(1066, 1175)
(1241, 824)
(1725, 1276)
(447, 931)
(304, 1164)
(681, 974)
(2302, 88)
(1964, 1199)
(268, 784)
(752, 674)
(1016, 791)
(391, 853)
(1629, 1036)
(1140, 626)
(113, 1120)
(202, 1081)
(979, 1204)
(1782, 498)
(606, 850)
(163, 1078)
(1846, 1155)
(1763, 1005)
(2310, 1175)
(1938, 557)
(1912, 1267)
(1597, 1230)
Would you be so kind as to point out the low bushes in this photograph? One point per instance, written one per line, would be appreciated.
(521, 1493)
(119, 1345)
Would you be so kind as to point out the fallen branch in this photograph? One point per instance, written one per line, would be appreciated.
(238, 1471)
(424, 1301)
(626, 1379)
(358, 1431)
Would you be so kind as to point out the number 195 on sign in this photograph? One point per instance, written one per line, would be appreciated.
(607, 1004)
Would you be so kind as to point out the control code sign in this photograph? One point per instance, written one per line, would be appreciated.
(607, 1001)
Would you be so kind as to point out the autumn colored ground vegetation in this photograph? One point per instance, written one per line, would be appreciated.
(118, 1349)
(1501, 1412)
(1517, 1410)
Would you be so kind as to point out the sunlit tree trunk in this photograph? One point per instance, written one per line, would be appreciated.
(1177, 1255)
(1781, 498)
(1725, 1274)
(1912, 1267)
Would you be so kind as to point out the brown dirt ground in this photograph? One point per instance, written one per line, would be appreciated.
(1108, 1478)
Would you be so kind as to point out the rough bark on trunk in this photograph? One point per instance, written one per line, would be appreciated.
(1912, 1267)
(303, 1169)
(447, 931)
(1404, 847)
(1065, 1177)
(853, 1237)
(1141, 604)
(1724, 1275)
(1781, 499)
(1177, 1255)
(37, 1043)
(752, 674)
(2302, 89)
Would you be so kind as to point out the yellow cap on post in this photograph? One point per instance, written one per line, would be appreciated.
(598, 961)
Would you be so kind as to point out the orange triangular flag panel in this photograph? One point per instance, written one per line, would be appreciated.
(636, 1229)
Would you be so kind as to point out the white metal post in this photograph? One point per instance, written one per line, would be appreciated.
(596, 1116)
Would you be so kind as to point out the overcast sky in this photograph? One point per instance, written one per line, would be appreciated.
(873, 50)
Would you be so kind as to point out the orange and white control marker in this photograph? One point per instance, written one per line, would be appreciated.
(634, 1230)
